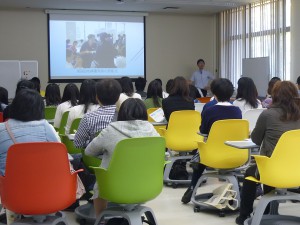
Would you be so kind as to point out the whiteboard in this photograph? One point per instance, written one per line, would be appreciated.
(10, 75)
(29, 69)
(259, 70)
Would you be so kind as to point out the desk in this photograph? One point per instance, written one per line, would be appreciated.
(246, 144)
(163, 123)
(71, 137)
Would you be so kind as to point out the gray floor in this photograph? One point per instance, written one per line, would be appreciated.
(170, 211)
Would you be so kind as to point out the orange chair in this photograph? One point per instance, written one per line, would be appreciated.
(38, 180)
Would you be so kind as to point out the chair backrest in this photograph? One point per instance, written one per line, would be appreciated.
(283, 168)
(182, 133)
(1, 117)
(90, 161)
(37, 179)
(50, 112)
(252, 115)
(75, 125)
(135, 172)
(63, 122)
(214, 153)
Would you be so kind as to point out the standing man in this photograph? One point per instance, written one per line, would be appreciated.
(201, 78)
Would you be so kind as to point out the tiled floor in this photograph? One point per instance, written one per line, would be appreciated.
(170, 211)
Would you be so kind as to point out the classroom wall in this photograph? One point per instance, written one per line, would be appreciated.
(173, 42)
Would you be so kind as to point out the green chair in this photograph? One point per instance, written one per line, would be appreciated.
(69, 143)
(50, 113)
(74, 125)
(63, 122)
(134, 176)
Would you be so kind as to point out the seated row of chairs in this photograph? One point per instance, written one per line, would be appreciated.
(47, 185)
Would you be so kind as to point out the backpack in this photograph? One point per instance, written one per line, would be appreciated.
(178, 171)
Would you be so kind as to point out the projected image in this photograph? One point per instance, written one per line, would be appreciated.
(95, 45)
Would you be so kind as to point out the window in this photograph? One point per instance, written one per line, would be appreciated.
(256, 30)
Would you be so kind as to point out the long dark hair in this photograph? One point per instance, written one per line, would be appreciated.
(247, 91)
(285, 96)
(71, 93)
(52, 95)
(155, 92)
(87, 94)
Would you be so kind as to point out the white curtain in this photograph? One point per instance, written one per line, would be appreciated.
(256, 30)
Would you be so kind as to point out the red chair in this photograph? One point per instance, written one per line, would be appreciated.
(1, 117)
(38, 180)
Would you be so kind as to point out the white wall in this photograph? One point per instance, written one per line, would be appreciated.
(173, 42)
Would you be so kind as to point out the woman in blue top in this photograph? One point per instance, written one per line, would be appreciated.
(27, 123)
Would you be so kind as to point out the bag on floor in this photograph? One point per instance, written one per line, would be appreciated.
(178, 171)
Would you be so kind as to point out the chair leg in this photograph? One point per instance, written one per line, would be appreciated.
(133, 217)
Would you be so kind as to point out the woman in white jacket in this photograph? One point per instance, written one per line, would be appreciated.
(246, 97)
(132, 122)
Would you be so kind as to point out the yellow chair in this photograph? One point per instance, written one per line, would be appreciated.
(181, 136)
(225, 159)
(281, 171)
(157, 127)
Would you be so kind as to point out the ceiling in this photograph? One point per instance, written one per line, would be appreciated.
(158, 6)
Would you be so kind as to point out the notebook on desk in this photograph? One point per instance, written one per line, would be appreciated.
(158, 115)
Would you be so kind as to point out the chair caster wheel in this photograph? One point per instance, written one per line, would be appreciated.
(221, 214)
(174, 185)
(81, 221)
(197, 209)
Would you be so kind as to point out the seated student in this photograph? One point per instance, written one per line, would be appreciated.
(283, 115)
(69, 100)
(107, 92)
(87, 103)
(26, 123)
(178, 99)
(127, 91)
(140, 84)
(132, 122)
(298, 84)
(222, 90)
(246, 97)
(164, 94)
(194, 93)
(268, 100)
(154, 95)
(3, 98)
(52, 95)
(22, 84)
(37, 83)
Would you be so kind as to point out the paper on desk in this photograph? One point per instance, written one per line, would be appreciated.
(158, 115)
